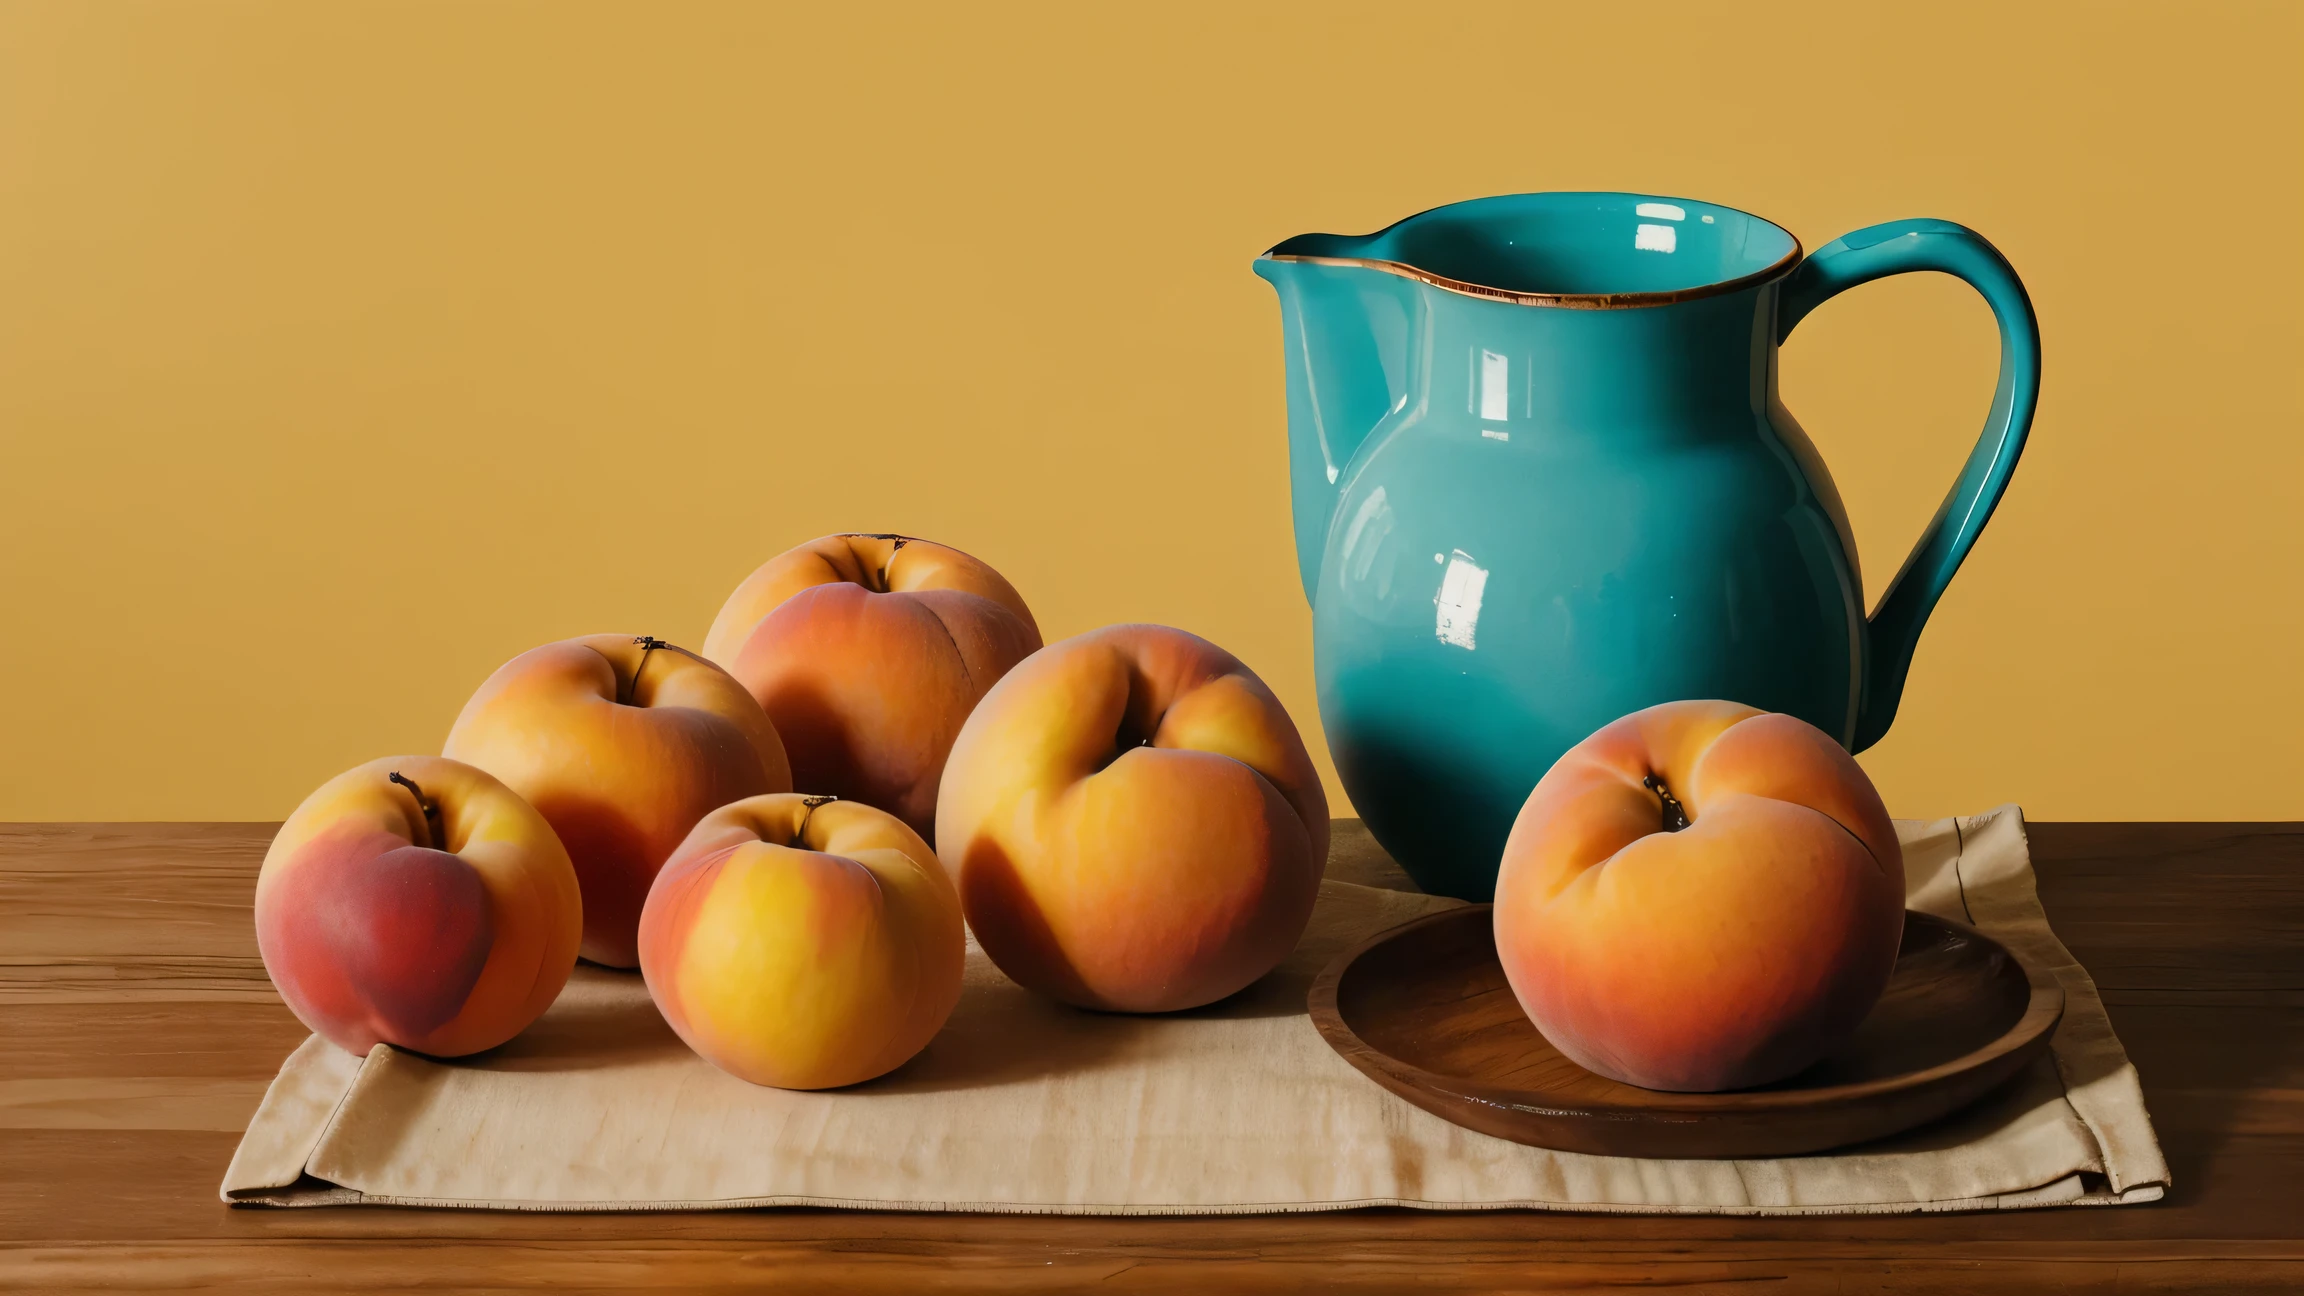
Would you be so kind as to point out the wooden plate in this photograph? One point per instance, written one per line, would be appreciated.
(1424, 1010)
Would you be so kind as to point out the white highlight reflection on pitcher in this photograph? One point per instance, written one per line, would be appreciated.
(1459, 600)
(1655, 238)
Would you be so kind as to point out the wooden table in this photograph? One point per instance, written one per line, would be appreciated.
(137, 1032)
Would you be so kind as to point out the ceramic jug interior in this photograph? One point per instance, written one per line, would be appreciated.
(1542, 478)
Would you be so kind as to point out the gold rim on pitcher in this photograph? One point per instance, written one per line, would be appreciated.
(1562, 301)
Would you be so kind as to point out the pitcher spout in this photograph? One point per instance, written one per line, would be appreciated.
(1346, 332)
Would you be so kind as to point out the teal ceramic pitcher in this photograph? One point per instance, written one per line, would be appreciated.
(1542, 478)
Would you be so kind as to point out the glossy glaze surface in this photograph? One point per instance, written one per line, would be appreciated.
(1542, 478)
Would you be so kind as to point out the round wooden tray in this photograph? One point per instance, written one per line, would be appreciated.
(1423, 1009)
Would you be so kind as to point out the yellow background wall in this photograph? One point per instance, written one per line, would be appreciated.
(348, 349)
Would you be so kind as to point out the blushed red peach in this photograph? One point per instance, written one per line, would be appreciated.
(1700, 896)
(803, 942)
(1134, 822)
(622, 742)
(417, 902)
(869, 651)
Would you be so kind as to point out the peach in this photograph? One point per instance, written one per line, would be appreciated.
(1134, 822)
(1700, 896)
(869, 651)
(417, 902)
(803, 942)
(622, 743)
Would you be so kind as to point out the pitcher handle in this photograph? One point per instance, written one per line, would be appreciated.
(1898, 247)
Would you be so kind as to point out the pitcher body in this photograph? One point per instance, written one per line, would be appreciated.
(1543, 479)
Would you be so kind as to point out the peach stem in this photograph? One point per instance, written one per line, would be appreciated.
(431, 811)
(1675, 816)
(648, 644)
(808, 804)
(879, 582)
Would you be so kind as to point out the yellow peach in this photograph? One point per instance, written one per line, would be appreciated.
(803, 942)
(417, 902)
(622, 742)
(1134, 822)
(1700, 896)
(868, 652)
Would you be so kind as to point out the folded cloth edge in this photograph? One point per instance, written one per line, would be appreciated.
(2099, 1080)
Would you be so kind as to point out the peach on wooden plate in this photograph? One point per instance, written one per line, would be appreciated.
(1134, 822)
(869, 651)
(623, 742)
(1700, 896)
(803, 942)
(417, 902)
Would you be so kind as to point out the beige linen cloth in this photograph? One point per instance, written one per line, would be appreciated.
(1026, 1106)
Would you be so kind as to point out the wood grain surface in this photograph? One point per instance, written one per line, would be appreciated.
(137, 1033)
(1424, 1010)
